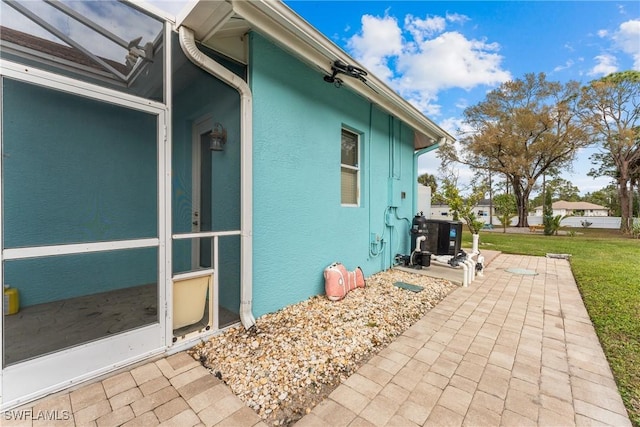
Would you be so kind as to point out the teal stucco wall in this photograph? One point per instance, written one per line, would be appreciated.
(299, 225)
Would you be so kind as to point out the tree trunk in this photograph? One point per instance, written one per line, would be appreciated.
(623, 195)
(630, 203)
(490, 201)
(522, 200)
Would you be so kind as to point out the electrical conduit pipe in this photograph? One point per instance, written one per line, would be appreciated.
(188, 45)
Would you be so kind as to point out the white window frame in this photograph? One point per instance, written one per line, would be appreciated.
(356, 168)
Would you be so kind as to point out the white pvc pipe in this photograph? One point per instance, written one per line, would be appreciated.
(188, 45)
(476, 239)
(419, 239)
(465, 268)
(465, 274)
(472, 270)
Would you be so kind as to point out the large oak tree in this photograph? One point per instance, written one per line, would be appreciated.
(522, 129)
(610, 109)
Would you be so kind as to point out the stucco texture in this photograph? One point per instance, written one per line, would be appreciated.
(299, 225)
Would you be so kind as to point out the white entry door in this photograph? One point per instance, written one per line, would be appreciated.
(201, 185)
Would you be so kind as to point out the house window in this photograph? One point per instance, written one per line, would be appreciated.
(444, 213)
(350, 169)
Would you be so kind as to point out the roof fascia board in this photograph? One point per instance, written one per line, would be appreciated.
(276, 20)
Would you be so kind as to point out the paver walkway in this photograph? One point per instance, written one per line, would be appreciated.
(512, 349)
(509, 350)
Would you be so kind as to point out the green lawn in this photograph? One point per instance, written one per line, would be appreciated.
(606, 266)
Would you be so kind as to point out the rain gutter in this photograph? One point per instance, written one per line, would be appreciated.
(188, 45)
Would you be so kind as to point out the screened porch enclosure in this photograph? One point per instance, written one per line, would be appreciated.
(79, 171)
(107, 206)
(76, 171)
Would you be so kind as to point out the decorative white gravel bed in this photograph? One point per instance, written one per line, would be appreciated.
(297, 355)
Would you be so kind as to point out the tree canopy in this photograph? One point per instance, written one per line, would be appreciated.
(522, 129)
(429, 180)
(506, 208)
(462, 207)
(610, 110)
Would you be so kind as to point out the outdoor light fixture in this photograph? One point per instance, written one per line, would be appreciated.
(340, 67)
(217, 138)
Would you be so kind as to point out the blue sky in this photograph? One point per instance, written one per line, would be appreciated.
(445, 55)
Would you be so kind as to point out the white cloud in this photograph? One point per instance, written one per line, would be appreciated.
(423, 28)
(457, 18)
(454, 125)
(451, 60)
(422, 58)
(564, 66)
(379, 39)
(621, 9)
(627, 39)
(462, 103)
(605, 64)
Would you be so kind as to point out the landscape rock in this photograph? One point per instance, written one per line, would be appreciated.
(296, 356)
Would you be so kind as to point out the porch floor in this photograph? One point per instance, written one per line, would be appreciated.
(44, 328)
(511, 349)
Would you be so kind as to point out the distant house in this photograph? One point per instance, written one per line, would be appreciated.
(564, 208)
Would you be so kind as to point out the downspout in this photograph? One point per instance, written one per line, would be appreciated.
(188, 45)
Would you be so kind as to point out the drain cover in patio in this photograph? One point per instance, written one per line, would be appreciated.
(521, 271)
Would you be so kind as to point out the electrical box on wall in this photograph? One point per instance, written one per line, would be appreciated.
(395, 194)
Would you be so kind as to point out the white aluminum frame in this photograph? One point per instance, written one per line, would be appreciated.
(357, 168)
(213, 296)
(34, 378)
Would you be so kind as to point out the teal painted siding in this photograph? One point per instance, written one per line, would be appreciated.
(300, 226)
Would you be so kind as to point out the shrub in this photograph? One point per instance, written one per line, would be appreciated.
(635, 229)
(553, 225)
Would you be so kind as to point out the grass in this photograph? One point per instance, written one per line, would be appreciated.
(606, 266)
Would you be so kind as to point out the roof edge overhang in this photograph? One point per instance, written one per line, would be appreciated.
(281, 24)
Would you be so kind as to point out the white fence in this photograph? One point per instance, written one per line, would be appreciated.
(576, 221)
(611, 222)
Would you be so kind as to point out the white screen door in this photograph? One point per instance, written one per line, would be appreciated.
(83, 232)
